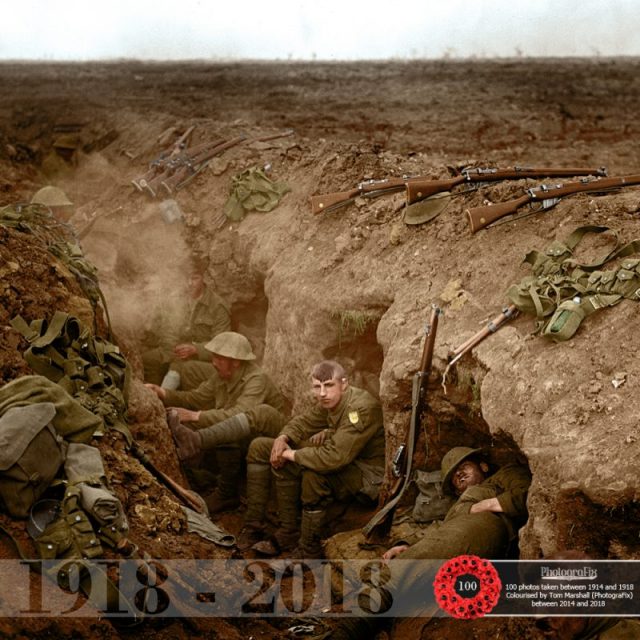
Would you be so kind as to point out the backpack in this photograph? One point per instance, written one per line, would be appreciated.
(432, 503)
(31, 454)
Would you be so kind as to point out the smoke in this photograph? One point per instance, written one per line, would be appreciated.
(143, 267)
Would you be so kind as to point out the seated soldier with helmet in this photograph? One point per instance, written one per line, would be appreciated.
(236, 385)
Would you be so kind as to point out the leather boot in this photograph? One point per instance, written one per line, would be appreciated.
(228, 431)
(288, 533)
(311, 530)
(251, 533)
(226, 497)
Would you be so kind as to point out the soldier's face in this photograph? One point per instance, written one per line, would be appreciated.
(328, 393)
(196, 285)
(224, 366)
(467, 474)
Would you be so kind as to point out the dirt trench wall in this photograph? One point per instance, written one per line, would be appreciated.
(570, 408)
(554, 403)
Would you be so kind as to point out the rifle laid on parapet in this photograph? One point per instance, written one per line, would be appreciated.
(419, 188)
(365, 189)
(403, 457)
(157, 166)
(545, 197)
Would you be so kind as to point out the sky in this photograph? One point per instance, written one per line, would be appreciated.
(316, 29)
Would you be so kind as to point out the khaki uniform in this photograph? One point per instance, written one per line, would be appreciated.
(483, 534)
(351, 459)
(179, 323)
(219, 399)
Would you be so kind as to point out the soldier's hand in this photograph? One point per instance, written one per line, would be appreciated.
(317, 439)
(159, 391)
(185, 351)
(394, 551)
(488, 504)
(280, 445)
(186, 415)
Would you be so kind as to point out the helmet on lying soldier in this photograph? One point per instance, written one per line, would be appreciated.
(450, 462)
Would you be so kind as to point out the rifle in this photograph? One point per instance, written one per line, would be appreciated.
(420, 187)
(507, 314)
(194, 163)
(173, 163)
(366, 189)
(403, 458)
(184, 495)
(156, 165)
(546, 197)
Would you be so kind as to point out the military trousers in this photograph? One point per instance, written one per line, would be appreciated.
(318, 490)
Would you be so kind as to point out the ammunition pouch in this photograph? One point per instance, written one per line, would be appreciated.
(565, 321)
(90, 369)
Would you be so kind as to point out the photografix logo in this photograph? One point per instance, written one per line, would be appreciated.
(568, 573)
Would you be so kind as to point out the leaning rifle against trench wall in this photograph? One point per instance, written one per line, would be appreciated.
(403, 457)
(196, 161)
(545, 197)
(419, 188)
(492, 326)
(508, 313)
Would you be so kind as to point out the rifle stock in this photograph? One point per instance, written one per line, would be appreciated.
(480, 217)
(509, 312)
(370, 188)
(178, 490)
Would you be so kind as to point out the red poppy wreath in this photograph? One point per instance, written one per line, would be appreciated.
(467, 587)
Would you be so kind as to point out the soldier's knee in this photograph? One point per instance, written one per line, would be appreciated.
(266, 420)
(260, 450)
(315, 487)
